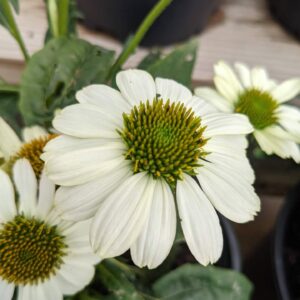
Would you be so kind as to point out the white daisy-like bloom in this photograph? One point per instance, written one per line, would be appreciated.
(31, 146)
(253, 93)
(42, 257)
(123, 155)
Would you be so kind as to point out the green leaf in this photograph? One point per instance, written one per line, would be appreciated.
(115, 279)
(55, 73)
(150, 59)
(9, 109)
(177, 65)
(194, 282)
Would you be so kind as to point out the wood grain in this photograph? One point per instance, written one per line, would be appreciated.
(243, 31)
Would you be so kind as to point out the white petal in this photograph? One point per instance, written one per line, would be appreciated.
(210, 95)
(109, 100)
(231, 162)
(26, 184)
(276, 141)
(6, 290)
(199, 222)
(223, 70)
(287, 90)
(9, 141)
(244, 73)
(224, 124)
(87, 121)
(156, 239)
(73, 277)
(201, 107)
(229, 192)
(289, 119)
(259, 78)
(121, 217)
(233, 145)
(136, 86)
(169, 89)
(34, 132)
(82, 165)
(46, 196)
(226, 89)
(50, 290)
(7, 195)
(82, 201)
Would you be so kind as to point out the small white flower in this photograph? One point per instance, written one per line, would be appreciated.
(124, 170)
(253, 93)
(42, 256)
(31, 147)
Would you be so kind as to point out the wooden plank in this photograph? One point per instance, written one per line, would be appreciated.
(244, 32)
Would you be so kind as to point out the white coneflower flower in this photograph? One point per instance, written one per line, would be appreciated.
(12, 148)
(41, 256)
(277, 125)
(121, 154)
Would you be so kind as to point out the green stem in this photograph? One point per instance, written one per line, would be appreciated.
(13, 28)
(63, 8)
(140, 33)
(53, 17)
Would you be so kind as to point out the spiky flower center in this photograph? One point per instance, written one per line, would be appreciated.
(164, 139)
(30, 251)
(32, 151)
(259, 106)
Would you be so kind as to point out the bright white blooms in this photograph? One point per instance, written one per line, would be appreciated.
(252, 92)
(122, 169)
(10, 143)
(12, 148)
(42, 256)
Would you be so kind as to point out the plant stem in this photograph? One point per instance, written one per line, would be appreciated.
(63, 8)
(53, 17)
(140, 33)
(13, 28)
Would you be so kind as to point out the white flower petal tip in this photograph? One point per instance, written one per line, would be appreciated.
(136, 86)
(33, 132)
(199, 222)
(9, 141)
(287, 90)
(168, 89)
(156, 239)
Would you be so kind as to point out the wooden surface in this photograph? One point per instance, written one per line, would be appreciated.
(242, 30)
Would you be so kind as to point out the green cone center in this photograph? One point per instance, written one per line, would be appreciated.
(163, 139)
(30, 251)
(259, 106)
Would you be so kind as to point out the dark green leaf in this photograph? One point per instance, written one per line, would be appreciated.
(55, 73)
(177, 65)
(115, 279)
(194, 282)
(150, 59)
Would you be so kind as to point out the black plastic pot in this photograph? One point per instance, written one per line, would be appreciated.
(287, 248)
(120, 18)
(287, 13)
(231, 256)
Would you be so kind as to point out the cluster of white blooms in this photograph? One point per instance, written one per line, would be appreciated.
(121, 164)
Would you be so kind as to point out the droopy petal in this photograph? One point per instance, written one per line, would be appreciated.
(121, 217)
(156, 239)
(199, 222)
